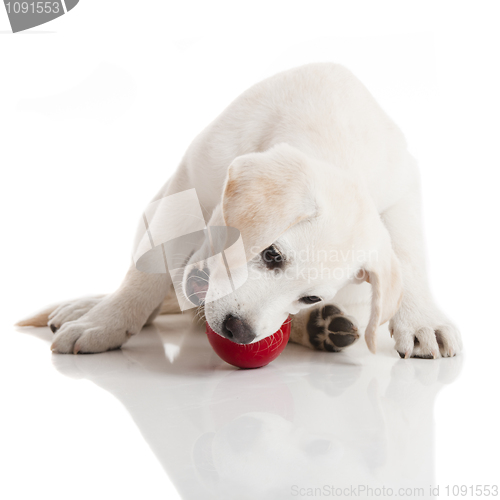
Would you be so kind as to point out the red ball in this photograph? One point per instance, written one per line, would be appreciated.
(254, 355)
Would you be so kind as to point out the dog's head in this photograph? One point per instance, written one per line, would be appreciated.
(308, 229)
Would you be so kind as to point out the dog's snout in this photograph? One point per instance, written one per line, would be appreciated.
(237, 330)
(197, 285)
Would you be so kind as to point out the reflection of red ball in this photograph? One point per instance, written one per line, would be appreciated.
(254, 355)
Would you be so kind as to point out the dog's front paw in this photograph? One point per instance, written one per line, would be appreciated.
(71, 311)
(427, 338)
(85, 336)
(329, 329)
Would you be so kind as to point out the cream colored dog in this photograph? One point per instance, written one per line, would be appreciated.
(319, 182)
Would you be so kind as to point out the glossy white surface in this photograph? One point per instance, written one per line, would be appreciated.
(165, 418)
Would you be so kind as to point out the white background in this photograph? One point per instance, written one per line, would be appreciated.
(98, 107)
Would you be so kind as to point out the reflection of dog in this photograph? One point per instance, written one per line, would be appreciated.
(320, 184)
(223, 433)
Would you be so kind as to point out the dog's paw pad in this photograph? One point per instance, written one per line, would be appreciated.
(329, 347)
(330, 310)
(342, 324)
(342, 339)
(330, 330)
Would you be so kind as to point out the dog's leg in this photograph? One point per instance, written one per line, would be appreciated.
(170, 305)
(325, 328)
(419, 328)
(75, 309)
(116, 317)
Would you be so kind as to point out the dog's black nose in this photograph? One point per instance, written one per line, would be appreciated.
(237, 330)
(197, 285)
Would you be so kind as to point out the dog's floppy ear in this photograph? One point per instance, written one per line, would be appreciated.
(383, 272)
(265, 194)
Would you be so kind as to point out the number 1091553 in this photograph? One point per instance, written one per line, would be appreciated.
(33, 7)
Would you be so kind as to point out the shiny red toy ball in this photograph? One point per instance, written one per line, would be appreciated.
(254, 355)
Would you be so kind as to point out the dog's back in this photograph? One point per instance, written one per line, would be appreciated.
(323, 110)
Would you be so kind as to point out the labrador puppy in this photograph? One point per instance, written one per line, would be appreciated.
(319, 183)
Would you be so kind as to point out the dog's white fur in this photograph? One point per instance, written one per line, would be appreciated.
(305, 159)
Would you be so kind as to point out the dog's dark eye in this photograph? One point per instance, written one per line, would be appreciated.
(272, 257)
(312, 299)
